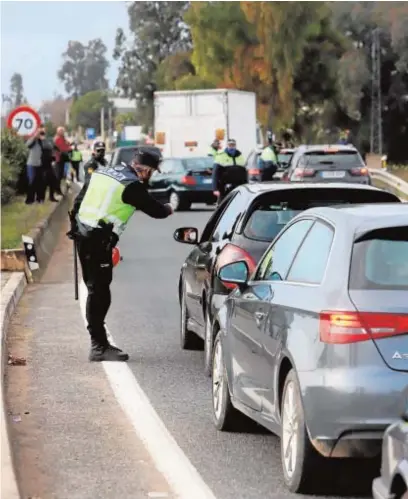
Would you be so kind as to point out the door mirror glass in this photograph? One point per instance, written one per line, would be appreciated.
(187, 235)
(236, 272)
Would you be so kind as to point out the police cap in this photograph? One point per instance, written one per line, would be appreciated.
(99, 145)
(148, 156)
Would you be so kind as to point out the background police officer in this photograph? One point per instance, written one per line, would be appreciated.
(100, 214)
(268, 160)
(214, 148)
(229, 170)
(97, 159)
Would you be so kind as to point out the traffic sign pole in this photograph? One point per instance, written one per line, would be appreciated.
(24, 120)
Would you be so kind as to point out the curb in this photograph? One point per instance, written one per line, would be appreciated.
(10, 297)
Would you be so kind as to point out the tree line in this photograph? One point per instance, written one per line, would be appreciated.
(309, 63)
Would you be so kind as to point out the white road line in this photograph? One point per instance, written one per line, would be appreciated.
(168, 457)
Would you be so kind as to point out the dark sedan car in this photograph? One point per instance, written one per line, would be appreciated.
(241, 228)
(311, 344)
(183, 181)
(327, 163)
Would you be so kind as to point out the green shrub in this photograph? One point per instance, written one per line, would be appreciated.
(13, 160)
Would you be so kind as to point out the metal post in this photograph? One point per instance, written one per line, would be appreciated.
(103, 123)
(376, 140)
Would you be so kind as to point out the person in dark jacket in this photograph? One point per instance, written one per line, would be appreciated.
(100, 214)
(35, 170)
(97, 159)
(229, 170)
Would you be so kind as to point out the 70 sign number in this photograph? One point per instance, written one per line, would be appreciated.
(24, 120)
(28, 123)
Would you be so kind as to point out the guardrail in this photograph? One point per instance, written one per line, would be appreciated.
(397, 184)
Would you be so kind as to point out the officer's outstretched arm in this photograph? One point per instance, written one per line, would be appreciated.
(136, 195)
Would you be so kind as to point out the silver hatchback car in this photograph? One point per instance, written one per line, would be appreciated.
(314, 344)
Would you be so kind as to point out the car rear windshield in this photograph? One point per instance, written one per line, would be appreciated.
(273, 210)
(126, 155)
(285, 158)
(380, 260)
(322, 158)
(198, 164)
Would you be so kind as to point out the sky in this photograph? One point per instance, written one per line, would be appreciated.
(34, 34)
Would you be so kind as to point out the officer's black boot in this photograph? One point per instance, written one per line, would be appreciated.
(106, 352)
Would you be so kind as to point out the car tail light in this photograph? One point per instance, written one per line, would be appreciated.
(303, 172)
(188, 180)
(358, 172)
(254, 171)
(339, 327)
(231, 253)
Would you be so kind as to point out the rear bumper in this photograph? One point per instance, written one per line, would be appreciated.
(347, 180)
(348, 410)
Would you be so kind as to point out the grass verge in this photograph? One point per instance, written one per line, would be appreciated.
(18, 218)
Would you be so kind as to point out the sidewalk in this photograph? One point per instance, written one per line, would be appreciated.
(69, 436)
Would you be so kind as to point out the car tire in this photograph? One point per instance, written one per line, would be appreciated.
(301, 463)
(188, 339)
(225, 416)
(208, 345)
(177, 202)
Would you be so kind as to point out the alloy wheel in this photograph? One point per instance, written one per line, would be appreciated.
(218, 380)
(290, 429)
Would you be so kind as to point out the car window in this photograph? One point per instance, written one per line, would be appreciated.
(227, 223)
(176, 166)
(380, 260)
(167, 166)
(320, 159)
(310, 262)
(278, 258)
(266, 222)
(198, 164)
(126, 156)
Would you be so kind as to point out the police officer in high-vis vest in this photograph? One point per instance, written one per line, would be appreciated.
(100, 214)
(214, 148)
(268, 161)
(229, 170)
(97, 159)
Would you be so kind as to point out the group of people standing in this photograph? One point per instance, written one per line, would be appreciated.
(49, 162)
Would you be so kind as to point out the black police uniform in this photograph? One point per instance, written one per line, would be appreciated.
(95, 254)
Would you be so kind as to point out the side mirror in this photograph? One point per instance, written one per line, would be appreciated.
(234, 273)
(187, 235)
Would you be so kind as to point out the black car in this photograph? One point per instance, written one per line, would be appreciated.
(241, 228)
(183, 181)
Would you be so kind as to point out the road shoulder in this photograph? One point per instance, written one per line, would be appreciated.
(69, 436)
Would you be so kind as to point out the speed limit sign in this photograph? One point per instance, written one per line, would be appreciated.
(24, 120)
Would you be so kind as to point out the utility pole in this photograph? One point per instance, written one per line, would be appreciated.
(376, 142)
(103, 123)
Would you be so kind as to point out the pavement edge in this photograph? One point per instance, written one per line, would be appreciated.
(10, 297)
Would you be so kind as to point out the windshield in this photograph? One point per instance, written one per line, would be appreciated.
(197, 164)
(380, 261)
(324, 158)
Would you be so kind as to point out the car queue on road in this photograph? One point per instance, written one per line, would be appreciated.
(297, 290)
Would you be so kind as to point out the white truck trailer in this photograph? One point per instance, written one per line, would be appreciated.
(187, 122)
